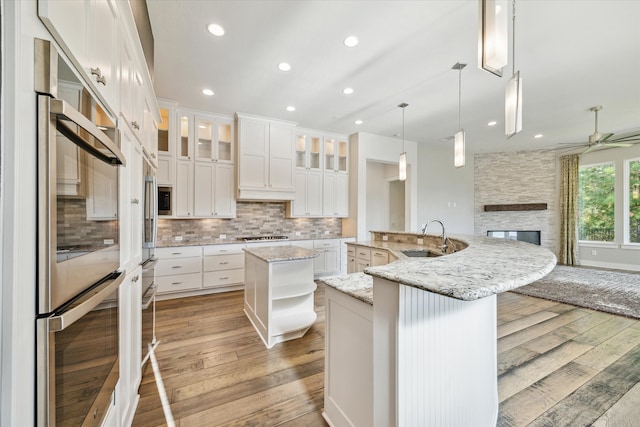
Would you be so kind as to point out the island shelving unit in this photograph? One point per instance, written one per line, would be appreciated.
(279, 290)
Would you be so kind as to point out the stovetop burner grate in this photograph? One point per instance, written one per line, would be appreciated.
(262, 238)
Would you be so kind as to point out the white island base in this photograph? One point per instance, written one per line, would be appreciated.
(427, 359)
(279, 291)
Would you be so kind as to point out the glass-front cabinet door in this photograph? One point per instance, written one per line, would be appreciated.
(184, 150)
(308, 151)
(164, 146)
(204, 140)
(224, 141)
(336, 154)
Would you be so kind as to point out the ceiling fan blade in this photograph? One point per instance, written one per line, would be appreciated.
(628, 137)
(605, 137)
(617, 144)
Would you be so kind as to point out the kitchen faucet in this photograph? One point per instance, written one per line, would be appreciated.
(443, 246)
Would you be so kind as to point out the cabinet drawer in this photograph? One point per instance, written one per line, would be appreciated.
(223, 262)
(323, 244)
(169, 267)
(179, 252)
(379, 257)
(351, 250)
(223, 249)
(213, 279)
(178, 283)
(363, 254)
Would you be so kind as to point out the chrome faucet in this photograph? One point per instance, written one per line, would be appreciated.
(443, 246)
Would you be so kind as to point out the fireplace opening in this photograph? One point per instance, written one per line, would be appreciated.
(530, 236)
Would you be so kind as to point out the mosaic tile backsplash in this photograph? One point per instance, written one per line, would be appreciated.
(252, 219)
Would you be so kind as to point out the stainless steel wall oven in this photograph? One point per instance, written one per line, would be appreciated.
(78, 248)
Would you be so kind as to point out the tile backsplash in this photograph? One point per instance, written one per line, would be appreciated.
(252, 219)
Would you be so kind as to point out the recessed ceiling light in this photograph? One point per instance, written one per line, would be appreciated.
(215, 29)
(202, 126)
(291, 108)
(347, 90)
(351, 41)
(358, 122)
(538, 136)
(492, 123)
(283, 66)
(207, 92)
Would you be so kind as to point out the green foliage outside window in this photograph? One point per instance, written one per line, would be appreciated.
(596, 197)
(634, 201)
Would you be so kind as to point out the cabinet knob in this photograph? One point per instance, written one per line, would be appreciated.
(153, 155)
(177, 266)
(135, 278)
(102, 79)
(135, 201)
(96, 72)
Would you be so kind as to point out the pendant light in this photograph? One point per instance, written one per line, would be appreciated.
(493, 38)
(513, 94)
(458, 138)
(402, 170)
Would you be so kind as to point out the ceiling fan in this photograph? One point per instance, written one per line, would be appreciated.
(599, 141)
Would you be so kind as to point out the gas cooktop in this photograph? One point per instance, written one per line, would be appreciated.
(262, 238)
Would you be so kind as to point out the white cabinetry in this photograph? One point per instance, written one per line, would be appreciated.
(363, 259)
(351, 259)
(179, 269)
(308, 177)
(265, 158)
(328, 260)
(279, 297)
(223, 266)
(102, 203)
(166, 150)
(335, 198)
(87, 32)
(204, 169)
(130, 321)
(131, 202)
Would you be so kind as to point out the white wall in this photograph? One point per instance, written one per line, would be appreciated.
(444, 191)
(366, 147)
(615, 254)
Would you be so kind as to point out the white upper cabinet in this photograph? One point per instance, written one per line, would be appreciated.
(336, 154)
(87, 32)
(308, 151)
(166, 149)
(266, 158)
(214, 190)
(184, 140)
(214, 142)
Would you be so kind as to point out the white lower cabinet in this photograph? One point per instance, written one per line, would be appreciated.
(328, 261)
(351, 259)
(223, 266)
(130, 321)
(179, 269)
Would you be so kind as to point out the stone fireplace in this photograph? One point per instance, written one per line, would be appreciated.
(517, 191)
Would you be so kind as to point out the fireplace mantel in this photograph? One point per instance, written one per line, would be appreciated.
(516, 207)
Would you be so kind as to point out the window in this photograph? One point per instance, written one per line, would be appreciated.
(632, 214)
(596, 202)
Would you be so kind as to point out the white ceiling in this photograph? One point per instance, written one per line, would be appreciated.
(572, 55)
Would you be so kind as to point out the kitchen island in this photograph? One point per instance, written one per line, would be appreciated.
(413, 342)
(279, 288)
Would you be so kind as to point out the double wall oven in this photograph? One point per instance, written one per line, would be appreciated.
(78, 248)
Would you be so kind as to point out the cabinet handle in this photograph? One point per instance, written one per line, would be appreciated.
(135, 278)
(176, 283)
(177, 266)
(224, 278)
(135, 201)
(102, 79)
(153, 155)
(223, 250)
(224, 263)
(176, 253)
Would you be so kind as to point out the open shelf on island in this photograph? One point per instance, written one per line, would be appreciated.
(292, 290)
(292, 322)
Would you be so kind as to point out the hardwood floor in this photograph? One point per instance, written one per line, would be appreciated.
(558, 365)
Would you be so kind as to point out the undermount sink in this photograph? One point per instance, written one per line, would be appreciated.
(417, 253)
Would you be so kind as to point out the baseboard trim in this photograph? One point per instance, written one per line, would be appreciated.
(615, 265)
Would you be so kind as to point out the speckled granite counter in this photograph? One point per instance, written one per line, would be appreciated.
(357, 285)
(486, 267)
(281, 253)
(229, 241)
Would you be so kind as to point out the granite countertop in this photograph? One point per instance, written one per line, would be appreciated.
(486, 267)
(281, 253)
(241, 242)
(357, 285)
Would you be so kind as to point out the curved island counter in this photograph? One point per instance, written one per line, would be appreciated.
(414, 342)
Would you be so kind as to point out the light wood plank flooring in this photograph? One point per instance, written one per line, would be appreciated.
(558, 365)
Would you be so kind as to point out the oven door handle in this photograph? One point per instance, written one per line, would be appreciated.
(86, 303)
(61, 110)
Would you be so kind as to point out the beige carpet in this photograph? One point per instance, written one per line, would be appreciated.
(603, 290)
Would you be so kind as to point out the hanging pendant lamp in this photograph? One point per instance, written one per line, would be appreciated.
(458, 138)
(402, 163)
(493, 38)
(513, 93)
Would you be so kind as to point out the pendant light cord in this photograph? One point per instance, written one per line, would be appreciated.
(459, 98)
(513, 40)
